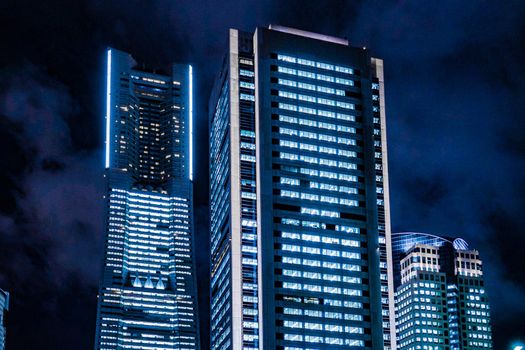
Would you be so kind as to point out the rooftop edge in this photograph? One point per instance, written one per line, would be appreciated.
(307, 34)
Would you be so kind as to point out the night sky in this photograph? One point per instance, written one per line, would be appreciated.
(455, 100)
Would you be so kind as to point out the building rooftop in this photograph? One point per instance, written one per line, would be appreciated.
(457, 242)
(307, 34)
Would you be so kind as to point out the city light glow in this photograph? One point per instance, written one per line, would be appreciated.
(108, 107)
(190, 72)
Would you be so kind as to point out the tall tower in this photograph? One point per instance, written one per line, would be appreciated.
(441, 301)
(148, 297)
(300, 222)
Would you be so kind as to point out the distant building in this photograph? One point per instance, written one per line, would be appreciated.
(4, 307)
(300, 219)
(148, 295)
(402, 242)
(441, 301)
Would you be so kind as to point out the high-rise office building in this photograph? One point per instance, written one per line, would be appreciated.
(4, 307)
(441, 301)
(300, 224)
(148, 297)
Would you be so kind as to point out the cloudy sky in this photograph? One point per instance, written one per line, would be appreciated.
(455, 98)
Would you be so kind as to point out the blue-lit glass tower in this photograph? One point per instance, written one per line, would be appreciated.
(148, 297)
(300, 222)
(4, 306)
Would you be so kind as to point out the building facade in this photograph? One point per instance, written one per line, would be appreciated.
(422, 301)
(441, 302)
(148, 296)
(300, 222)
(4, 307)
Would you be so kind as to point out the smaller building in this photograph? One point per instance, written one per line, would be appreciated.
(440, 300)
(469, 309)
(421, 301)
(4, 307)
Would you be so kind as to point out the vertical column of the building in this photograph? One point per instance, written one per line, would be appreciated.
(264, 192)
(220, 212)
(249, 237)
(245, 288)
(373, 215)
(473, 306)
(178, 124)
(182, 271)
(383, 205)
(257, 116)
(421, 301)
(235, 186)
(108, 310)
(453, 315)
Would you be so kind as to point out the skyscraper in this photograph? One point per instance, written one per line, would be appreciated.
(441, 302)
(300, 225)
(147, 297)
(4, 306)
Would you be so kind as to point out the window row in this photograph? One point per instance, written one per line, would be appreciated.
(321, 289)
(325, 276)
(308, 110)
(318, 251)
(323, 326)
(317, 263)
(311, 87)
(314, 224)
(316, 238)
(311, 75)
(319, 198)
(316, 64)
(313, 99)
(319, 185)
(318, 173)
(321, 125)
(311, 160)
(327, 114)
(316, 136)
(316, 148)
(319, 313)
(325, 340)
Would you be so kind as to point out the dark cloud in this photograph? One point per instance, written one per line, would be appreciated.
(455, 102)
(51, 218)
(454, 86)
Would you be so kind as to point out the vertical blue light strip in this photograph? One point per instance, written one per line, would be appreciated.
(191, 119)
(108, 108)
